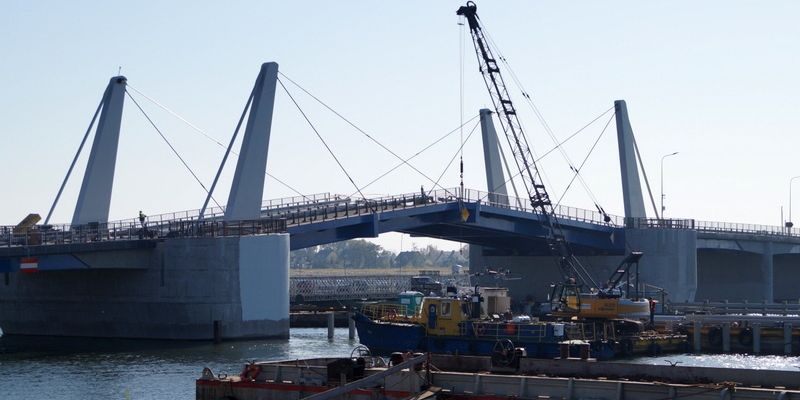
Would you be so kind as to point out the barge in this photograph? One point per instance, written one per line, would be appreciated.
(430, 376)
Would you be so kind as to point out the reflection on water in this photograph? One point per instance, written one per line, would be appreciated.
(54, 369)
(724, 361)
(60, 368)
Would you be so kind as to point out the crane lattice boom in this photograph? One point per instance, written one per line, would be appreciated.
(517, 141)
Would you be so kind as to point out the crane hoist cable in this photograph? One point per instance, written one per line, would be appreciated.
(518, 143)
(461, 46)
(529, 100)
(460, 149)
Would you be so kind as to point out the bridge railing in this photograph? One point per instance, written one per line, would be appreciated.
(743, 228)
(374, 287)
(127, 230)
(642, 223)
(708, 226)
(213, 213)
(520, 204)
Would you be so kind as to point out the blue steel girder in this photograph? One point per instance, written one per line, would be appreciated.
(514, 231)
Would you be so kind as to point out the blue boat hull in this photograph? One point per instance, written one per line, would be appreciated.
(388, 337)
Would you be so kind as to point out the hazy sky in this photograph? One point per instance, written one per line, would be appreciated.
(715, 80)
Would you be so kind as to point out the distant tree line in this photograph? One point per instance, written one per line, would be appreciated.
(360, 253)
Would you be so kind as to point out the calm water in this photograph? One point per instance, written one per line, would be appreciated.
(101, 369)
(55, 369)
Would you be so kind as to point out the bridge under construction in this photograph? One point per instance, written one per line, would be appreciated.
(223, 271)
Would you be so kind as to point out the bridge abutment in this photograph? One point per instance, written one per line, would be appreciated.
(185, 286)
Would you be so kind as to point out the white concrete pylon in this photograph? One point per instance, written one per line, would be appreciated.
(495, 180)
(247, 189)
(631, 187)
(94, 200)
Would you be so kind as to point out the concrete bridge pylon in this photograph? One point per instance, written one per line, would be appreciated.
(247, 189)
(631, 187)
(495, 180)
(94, 199)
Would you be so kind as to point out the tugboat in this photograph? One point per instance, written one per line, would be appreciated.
(601, 323)
(475, 325)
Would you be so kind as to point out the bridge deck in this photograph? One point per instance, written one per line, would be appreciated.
(491, 220)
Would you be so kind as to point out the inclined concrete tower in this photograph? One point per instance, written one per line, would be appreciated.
(670, 255)
(229, 287)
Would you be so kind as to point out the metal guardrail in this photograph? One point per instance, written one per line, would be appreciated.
(278, 214)
(89, 233)
(739, 308)
(311, 289)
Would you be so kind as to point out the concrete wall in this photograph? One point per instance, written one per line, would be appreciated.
(669, 262)
(786, 277)
(186, 286)
(729, 275)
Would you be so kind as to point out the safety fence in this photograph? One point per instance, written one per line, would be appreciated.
(111, 231)
(279, 214)
(740, 308)
(343, 288)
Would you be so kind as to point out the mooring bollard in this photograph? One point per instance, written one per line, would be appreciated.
(351, 326)
(697, 336)
(331, 317)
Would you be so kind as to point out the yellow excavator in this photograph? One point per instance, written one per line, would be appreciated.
(613, 301)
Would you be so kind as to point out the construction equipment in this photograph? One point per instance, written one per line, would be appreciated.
(571, 299)
(612, 301)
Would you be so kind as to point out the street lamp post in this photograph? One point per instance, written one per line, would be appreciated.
(662, 181)
(789, 223)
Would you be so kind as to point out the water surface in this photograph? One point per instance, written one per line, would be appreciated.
(94, 369)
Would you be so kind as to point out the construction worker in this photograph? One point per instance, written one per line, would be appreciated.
(141, 218)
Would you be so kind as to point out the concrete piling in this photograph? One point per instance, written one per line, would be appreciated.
(697, 336)
(756, 338)
(330, 324)
(351, 326)
(787, 339)
(726, 338)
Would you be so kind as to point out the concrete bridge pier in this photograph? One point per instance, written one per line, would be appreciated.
(669, 261)
(189, 288)
(767, 272)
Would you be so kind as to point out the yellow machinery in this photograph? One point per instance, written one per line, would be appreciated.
(570, 299)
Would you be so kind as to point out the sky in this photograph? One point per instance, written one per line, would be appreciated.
(716, 81)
